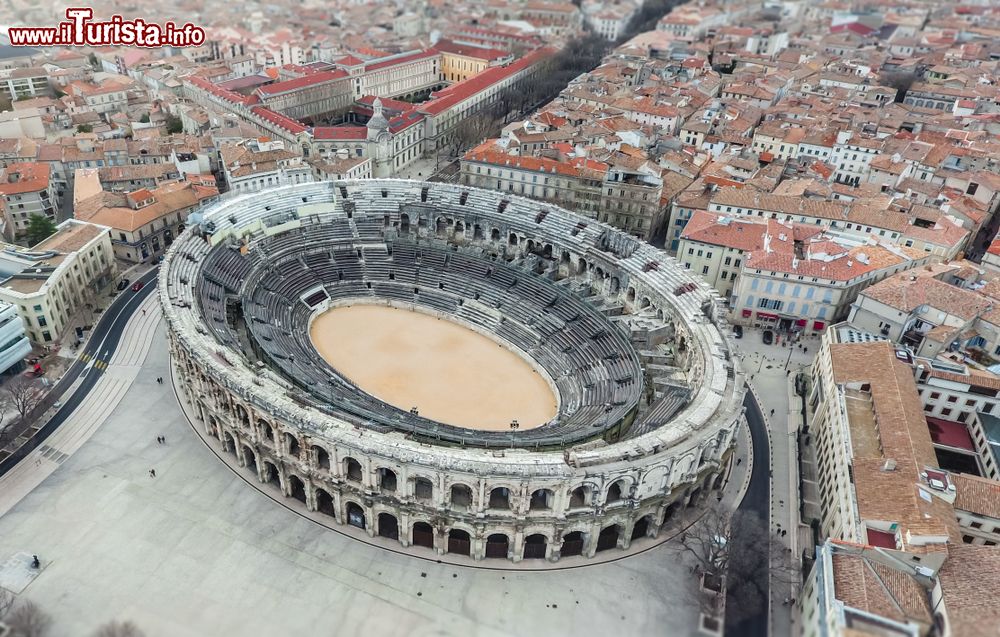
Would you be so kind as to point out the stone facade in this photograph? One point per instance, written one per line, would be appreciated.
(513, 503)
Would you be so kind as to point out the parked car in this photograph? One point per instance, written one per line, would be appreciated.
(738, 331)
(137, 286)
(123, 284)
(768, 337)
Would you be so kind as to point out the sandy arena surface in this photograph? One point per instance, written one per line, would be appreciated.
(450, 373)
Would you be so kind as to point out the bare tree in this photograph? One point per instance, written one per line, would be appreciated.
(5, 430)
(29, 620)
(24, 395)
(734, 552)
(119, 629)
(6, 601)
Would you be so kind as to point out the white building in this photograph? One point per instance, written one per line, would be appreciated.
(14, 343)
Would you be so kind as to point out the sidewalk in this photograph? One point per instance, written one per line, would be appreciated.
(771, 371)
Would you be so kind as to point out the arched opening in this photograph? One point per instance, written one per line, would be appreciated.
(249, 459)
(497, 545)
(477, 232)
(268, 432)
(615, 492)
(644, 303)
(271, 474)
(355, 515)
(564, 257)
(459, 542)
(322, 457)
(630, 295)
(581, 266)
(296, 488)
(579, 497)
(541, 500)
(423, 535)
(352, 469)
(228, 443)
(241, 413)
(461, 496)
(512, 240)
(404, 223)
(500, 498)
(530, 246)
(534, 546)
(387, 480)
(494, 235)
(423, 489)
(608, 539)
(441, 227)
(695, 495)
(547, 251)
(459, 228)
(671, 513)
(293, 445)
(641, 527)
(388, 526)
(572, 544)
(324, 502)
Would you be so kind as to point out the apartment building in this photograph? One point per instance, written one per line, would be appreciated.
(14, 342)
(25, 191)
(24, 82)
(255, 164)
(143, 222)
(460, 60)
(877, 471)
(50, 282)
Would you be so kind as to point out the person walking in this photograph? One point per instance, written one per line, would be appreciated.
(152, 473)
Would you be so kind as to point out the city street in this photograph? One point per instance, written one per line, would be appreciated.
(770, 371)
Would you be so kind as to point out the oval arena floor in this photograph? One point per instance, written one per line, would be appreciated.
(450, 373)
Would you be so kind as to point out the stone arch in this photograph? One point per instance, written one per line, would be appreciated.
(495, 234)
(535, 546)
(643, 526)
(672, 513)
(228, 442)
(387, 480)
(355, 515)
(388, 526)
(404, 223)
(271, 474)
(573, 543)
(541, 500)
(459, 228)
(459, 541)
(617, 491)
(581, 266)
(249, 459)
(324, 503)
(609, 537)
(296, 488)
(581, 496)
(512, 239)
(422, 534)
(497, 545)
(477, 232)
(352, 470)
(423, 488)
(630, 295)
(461, 496)
(441, 226)
(292, 444)
(500, 498)
(322, 457)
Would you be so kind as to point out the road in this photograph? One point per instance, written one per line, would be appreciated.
(757, 500)
(90, 363)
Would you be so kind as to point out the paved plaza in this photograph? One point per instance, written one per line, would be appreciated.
(198, 551)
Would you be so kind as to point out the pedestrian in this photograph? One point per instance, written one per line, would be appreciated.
(157, 440)
(144, 312)
(152, 473)
(738, 461)
(164, 439)
(34, 561)
(772, 412)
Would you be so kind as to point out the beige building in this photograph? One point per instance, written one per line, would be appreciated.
(461, 61)
(143, 222)
(25, 191)
(50, 283)
(261, 163)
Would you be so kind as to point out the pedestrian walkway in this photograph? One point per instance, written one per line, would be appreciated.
(120, 371)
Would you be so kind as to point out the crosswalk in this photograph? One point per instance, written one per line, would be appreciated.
(98, 363)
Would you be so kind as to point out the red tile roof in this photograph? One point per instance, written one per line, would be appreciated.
(406, 59)
(321, 133)
(461, 91)
(467, 50)
(279, 120)
(302, 82)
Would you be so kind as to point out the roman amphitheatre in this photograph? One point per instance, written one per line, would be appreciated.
(460, 372)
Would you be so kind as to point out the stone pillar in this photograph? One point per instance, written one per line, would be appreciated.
(591, 549)
(517, 545)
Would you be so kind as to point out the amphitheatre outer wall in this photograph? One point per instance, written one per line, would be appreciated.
(484, 502)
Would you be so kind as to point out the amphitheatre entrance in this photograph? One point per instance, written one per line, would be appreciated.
(450, 373)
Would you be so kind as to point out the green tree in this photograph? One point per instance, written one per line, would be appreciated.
(39, 229)
(174, 125)
(85, 128)
(144, 119)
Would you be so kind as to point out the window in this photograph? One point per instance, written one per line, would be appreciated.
(935, 395)
(704, 269)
